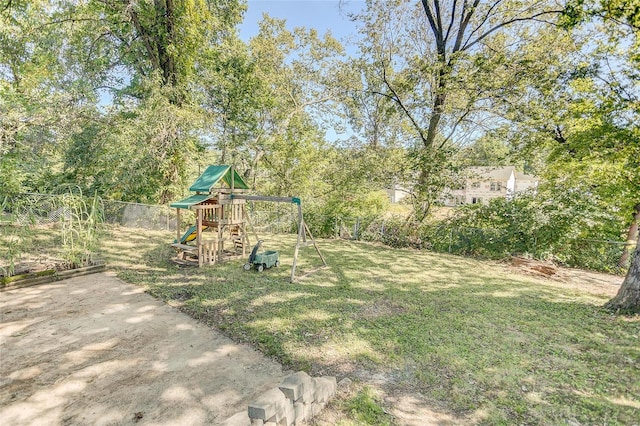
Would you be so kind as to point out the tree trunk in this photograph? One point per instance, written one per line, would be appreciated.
(628, 298)
(438, 105)
(632, 234)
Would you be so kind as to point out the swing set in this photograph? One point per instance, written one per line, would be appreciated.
(221, 220)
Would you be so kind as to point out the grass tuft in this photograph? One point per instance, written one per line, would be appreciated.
(365, 409)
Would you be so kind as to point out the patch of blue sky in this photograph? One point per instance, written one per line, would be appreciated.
(323, 15)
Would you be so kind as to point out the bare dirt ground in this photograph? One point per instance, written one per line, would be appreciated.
(586, 282)
(94, 350)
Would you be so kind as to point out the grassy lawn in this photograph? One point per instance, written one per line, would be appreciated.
(477, 341)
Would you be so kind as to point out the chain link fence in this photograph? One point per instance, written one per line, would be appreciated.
(593, 254)
(276, 218)
(43, 209)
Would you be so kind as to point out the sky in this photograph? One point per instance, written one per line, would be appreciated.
(323, 15)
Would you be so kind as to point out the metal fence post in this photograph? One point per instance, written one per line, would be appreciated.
(356, 229)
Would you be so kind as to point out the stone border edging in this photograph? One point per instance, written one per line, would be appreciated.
(296, 400)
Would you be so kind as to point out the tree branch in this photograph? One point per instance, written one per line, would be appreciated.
(464, 21)
(506, 23)
(453, 17)
(7, 6)
(145, 38)
(437, 32)
(436, 4)
(455, 127)
(395, 98)
(484, 20)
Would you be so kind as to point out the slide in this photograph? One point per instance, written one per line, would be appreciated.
(190, 235)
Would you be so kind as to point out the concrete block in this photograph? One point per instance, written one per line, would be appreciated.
(295, 385)
(257, 422)
(308, 411)
(267, 405)
(299, 411)
(289, 418)
(308, 396)
(325, 388)
(315, 409)
(285, 412)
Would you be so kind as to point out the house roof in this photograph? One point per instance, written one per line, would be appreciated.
(522, 176)
(496, 173)
(213, 175)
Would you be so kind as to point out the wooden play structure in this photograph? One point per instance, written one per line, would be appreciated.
(221, 220)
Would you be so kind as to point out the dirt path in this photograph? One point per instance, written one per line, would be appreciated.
(94, 350)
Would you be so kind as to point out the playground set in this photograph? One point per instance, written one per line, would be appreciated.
(221, 222)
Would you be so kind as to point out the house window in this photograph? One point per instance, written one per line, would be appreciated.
(496, 186)
(475, 185)
(476, 200)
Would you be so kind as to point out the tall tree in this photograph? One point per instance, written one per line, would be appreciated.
(140, 52)
(445, 66)
(266, 103)
(40, 103)
(615, 135)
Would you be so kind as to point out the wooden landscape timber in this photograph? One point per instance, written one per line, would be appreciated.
(47, 276)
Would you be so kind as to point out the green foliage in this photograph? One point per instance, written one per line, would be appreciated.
(549, 225)
(71, 236)
(139, 155)
(563, 223)
(80, 228)
(394, 231)
(365, 409)
(12, 248)
(345, 209)
(490, 150)
(11, 175)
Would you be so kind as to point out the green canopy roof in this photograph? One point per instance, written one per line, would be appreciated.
(213, 174)
(190, 201)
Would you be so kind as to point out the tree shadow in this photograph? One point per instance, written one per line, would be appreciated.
(465, 335)
(94, 350)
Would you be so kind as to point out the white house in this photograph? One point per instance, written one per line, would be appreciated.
(396, 193)
(485, 183)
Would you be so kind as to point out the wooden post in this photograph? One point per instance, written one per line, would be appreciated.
(220, 244)
(199, 235)
(324, 262)
(295, 251)
(301, 222)
(178, 226)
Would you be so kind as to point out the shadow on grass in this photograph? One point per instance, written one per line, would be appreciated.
(466, 335)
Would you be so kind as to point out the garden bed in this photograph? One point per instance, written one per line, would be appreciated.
(41, 273)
